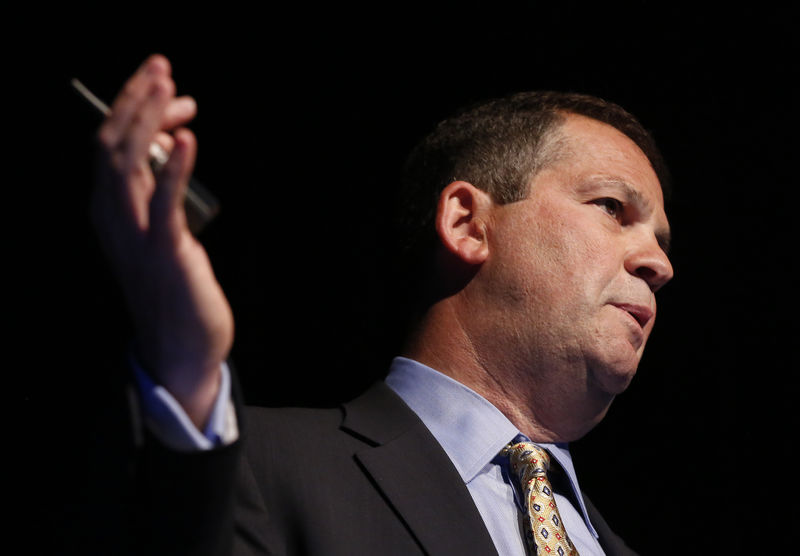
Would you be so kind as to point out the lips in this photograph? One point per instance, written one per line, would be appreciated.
(641, 313)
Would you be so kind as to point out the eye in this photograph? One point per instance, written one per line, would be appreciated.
(611, 206)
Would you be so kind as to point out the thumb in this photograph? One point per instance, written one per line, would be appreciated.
(167, 215)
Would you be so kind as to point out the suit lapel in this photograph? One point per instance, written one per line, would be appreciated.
(415, 475)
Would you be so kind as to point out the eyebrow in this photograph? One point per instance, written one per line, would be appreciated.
(634, 196)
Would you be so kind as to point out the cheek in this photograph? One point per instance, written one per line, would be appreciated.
(573, 259)
(556, 254)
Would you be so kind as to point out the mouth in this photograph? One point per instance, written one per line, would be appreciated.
(641, 313)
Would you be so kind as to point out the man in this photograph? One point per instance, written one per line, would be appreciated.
(546, 242)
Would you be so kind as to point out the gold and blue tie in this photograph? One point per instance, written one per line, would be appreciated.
(544, 531)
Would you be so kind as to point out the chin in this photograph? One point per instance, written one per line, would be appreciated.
(614, 377)
(612, 362)
(614, 383)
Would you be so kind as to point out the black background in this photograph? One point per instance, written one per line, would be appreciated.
(305, 116)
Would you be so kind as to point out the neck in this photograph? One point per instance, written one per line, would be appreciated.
(522, 390)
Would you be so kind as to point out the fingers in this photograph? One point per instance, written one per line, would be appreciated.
(129, 100)
(124, 180)
(165, 140)
(135, 145)
(145, 105)
(180, 111)
(144, 109)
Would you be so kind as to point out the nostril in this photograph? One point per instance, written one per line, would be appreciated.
(651, 276)
(654, 277)
(646, 273)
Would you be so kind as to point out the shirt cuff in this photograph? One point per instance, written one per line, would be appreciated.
(167, 420)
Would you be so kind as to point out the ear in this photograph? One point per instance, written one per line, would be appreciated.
(461, 219)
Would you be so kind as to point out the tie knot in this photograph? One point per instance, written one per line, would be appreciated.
(527, 458)
(544, 531)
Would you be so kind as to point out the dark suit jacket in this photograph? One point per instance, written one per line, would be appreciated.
(368, 478)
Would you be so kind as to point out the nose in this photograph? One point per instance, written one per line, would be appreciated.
(648, 261)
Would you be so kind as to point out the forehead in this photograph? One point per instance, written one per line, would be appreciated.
(588, 147)
(581, 137)
(596, 158)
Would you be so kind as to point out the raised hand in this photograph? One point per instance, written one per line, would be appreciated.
(184, 325)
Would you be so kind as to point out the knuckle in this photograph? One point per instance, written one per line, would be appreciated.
(169, 86)
(136, 120)
(164, 87)
(166, 141)
(129, 90)
(106, 138)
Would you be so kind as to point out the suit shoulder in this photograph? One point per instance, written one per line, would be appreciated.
(290, 420)
(275, 436)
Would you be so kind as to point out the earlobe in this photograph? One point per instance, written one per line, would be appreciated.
(461, 221)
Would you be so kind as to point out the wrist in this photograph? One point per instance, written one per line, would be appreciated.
(193, 384)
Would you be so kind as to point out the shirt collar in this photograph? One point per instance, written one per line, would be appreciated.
(471, 430)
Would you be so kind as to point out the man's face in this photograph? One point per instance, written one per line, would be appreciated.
(573, 269)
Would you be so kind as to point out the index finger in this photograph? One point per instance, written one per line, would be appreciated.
(127, 102)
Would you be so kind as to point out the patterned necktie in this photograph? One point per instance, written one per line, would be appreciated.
(544, 532)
